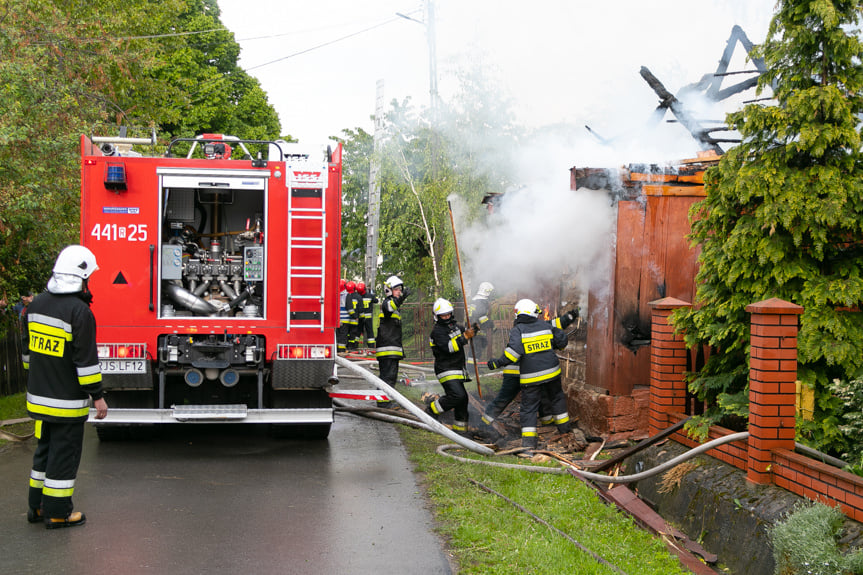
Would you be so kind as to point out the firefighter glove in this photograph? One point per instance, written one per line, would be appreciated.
(468, 334)
(492, 364)
(475, 327)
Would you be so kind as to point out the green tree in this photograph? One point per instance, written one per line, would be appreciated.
(462, 149)
(357, 152)
(783, 216)
(67, 67)
(207, 92)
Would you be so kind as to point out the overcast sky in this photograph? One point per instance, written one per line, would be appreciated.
(563, 61)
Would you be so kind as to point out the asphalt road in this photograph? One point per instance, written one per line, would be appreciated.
(230, 499)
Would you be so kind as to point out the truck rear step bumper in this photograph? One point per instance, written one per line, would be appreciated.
(215, 414)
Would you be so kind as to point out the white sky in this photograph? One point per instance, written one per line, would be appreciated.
(563, 61)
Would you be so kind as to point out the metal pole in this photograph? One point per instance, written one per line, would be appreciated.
(464, 295)
(373, 222)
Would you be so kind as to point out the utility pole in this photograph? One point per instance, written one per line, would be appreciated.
(430, 38)
(375, 191)
(430, 33)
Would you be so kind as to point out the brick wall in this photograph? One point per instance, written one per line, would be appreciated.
(767, 456)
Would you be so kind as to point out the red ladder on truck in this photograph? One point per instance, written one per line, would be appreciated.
(307, 237)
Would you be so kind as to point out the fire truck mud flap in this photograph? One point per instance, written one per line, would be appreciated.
(215, 414)
(305, 373)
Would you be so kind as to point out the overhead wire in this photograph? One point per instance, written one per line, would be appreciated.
(329, 43)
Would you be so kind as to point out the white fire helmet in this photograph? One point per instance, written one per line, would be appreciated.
(77, 261)
(392, 283)
(526, 307)
(441, 306)
(485, 290)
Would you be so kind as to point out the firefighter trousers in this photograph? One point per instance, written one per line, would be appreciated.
(509, 389)
(531, 397)
(342, 337)
(355, 335)
(455, 398)
(55, 466)
(389, 369)
(369, 329)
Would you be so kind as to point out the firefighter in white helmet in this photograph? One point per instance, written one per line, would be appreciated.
(389, 340)
(532, 344)
(447, 341)
(64, 376)
(479, 312)
(510, 385)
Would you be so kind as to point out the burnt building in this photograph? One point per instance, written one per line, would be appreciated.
(606, 370)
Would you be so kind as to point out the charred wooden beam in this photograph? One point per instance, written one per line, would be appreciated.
(668, 101)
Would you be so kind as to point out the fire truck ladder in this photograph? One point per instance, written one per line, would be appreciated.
(306, 249)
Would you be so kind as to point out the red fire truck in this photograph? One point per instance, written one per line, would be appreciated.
(217, 297)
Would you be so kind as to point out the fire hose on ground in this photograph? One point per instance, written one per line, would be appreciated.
(424, 421)
(413, 409)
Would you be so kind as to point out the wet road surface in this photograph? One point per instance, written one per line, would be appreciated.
(230, 499)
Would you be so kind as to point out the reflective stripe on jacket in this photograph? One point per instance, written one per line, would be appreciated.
(64, 365)
(389, 338)
(531, 345)
(447, 342)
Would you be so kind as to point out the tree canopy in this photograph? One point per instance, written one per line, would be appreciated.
(68, 68)
(783, 216)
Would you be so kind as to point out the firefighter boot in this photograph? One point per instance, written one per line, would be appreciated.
(72, 520)
(34, 515)
(429, 411)
(530, 444)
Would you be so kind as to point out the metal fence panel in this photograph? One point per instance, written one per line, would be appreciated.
(13, 378)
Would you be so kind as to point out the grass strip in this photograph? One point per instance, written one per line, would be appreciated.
(486, 535)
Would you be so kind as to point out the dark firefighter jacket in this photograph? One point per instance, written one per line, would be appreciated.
(389, 339)
(354, 307)
(447, 342)
(531, 345)
(62, 358)
(562, 321)
(369, 301)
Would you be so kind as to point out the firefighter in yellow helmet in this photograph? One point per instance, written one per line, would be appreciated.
(447, 341)
(532, 344)
(64, 377)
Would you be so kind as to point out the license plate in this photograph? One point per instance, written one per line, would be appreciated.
(123, 366)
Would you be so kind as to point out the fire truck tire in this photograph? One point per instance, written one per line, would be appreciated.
(301, 398)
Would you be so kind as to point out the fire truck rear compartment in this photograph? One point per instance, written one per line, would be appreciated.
(212, 252)
(207, 261)
(221, 379)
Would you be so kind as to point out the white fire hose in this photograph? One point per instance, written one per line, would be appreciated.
(431, 424)
(413, 409)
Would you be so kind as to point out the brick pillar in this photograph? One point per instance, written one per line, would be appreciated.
(667, 364)
(772, 377)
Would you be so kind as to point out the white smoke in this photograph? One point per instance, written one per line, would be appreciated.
(538, 235)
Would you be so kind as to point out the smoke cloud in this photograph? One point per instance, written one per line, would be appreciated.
(538, 235)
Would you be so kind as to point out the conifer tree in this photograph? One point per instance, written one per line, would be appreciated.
(783, 216)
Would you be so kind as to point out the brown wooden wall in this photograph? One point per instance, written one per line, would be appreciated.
(651, 259)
